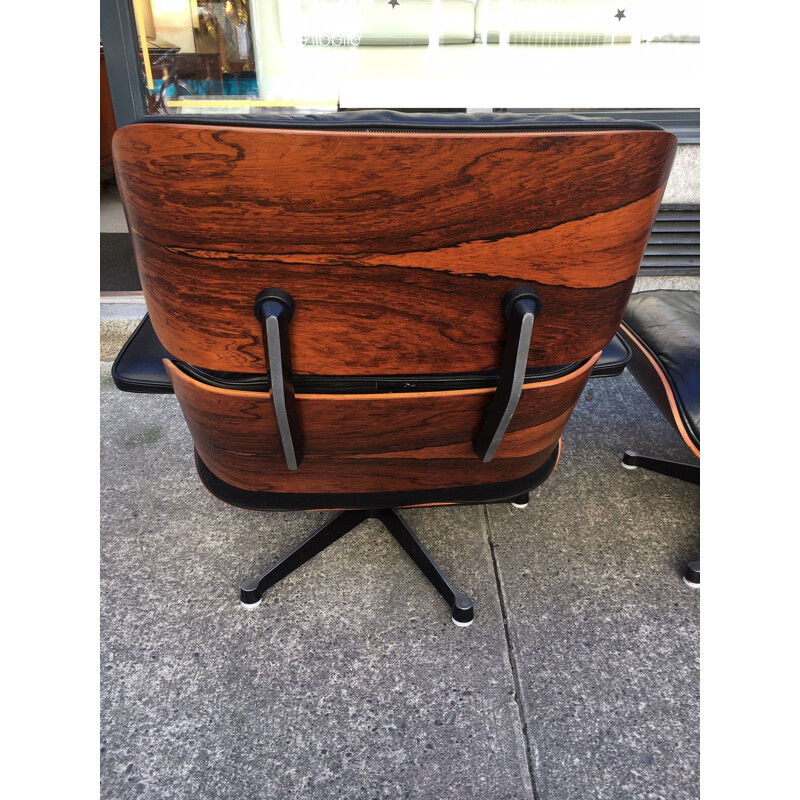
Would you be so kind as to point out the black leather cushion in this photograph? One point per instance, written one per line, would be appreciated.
(667, 322)
(138, 367)
(613, 360)
(381, 119)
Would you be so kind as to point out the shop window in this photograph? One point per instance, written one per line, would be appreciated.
(256, 55)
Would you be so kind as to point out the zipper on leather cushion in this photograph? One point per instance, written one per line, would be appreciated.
(331, 384)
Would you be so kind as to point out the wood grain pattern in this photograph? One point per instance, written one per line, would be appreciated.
(397, 248)
(373, 443)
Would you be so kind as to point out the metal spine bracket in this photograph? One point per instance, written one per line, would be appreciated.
(274, 309)
(520, 306)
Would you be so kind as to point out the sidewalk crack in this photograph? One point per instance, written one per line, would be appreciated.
(512, 659)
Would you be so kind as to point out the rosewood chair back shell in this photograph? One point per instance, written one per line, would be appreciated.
(397, 244)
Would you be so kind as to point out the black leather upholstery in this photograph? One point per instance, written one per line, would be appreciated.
(667, 323)
(138, 366)
(361, 120)
(613, 360)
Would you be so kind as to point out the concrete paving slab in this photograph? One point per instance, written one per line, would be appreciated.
(112, 215)
(119, 318)
(604, 633)
(349, 681)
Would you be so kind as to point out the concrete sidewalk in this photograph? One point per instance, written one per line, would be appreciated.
(579, 678)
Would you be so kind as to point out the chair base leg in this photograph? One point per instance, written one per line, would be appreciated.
(521, 501)
(675, 469)
(461, 608)
(691, 575)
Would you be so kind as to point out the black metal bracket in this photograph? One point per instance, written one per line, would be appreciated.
(461, 607)
(520, 307)
(674, 469)
(274, 309)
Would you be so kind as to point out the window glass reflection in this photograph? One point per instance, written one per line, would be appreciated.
(252, 55)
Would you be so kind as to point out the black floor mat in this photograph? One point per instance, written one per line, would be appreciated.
(117, 264)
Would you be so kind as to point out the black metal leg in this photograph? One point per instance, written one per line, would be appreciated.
(521, 501)
(253, 588)
(461, 607)
(675, 469)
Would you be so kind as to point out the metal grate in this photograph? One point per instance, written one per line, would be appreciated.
(674, 246)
